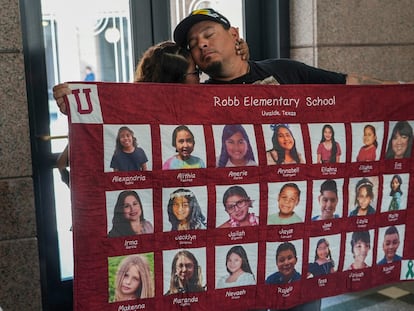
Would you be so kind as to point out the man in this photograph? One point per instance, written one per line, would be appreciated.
(210, 38)
(209, 35)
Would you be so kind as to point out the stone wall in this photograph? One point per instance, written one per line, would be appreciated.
(19, 257)
(373, 37)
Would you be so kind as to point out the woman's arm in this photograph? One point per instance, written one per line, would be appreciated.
(59, 91)
(242, 49)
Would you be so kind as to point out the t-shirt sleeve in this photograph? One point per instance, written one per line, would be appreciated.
(320, 149)
(167, 164)
(142, 155)
(114, 162)
(287, 71)
(338, 148)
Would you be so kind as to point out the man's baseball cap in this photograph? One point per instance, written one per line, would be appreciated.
(196, 16)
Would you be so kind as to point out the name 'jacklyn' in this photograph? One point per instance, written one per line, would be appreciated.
(251, 101)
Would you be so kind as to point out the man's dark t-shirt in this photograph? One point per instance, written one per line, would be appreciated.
(285, 71)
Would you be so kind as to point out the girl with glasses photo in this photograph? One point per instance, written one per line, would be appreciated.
(237, 204)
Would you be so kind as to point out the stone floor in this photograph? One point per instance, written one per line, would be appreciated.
(394, 297)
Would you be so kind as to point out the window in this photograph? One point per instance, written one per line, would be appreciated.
(61, 39)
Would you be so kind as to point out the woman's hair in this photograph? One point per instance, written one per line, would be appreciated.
(364, 183)
(228, 131)
(118, 145)
(196, 217)
(146, 287)
(179, 129)
(284, 247)
(329, 185)
(234, 190)
(165, 62)
(372, 128)
(404, 129)
(194, 284)
(320, 241)
(362, 236)
(240, 251)
(397, 177)
(120, 225)
(279, 150)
